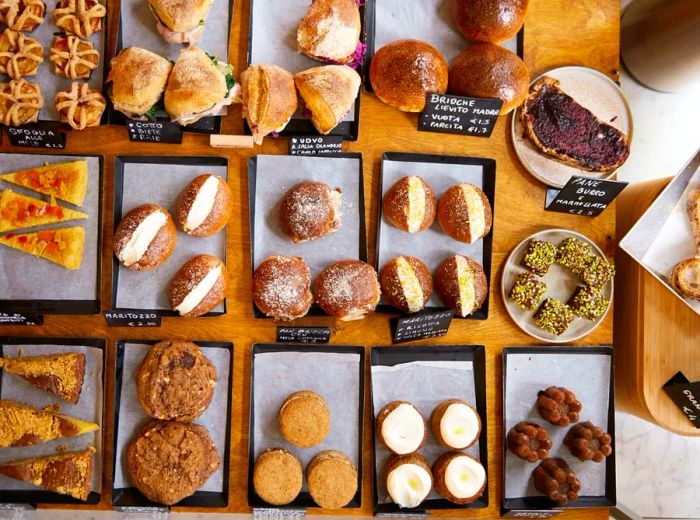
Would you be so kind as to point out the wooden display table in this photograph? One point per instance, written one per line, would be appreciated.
(557, 33)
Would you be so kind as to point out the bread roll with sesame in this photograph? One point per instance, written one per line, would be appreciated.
(406, 283)
(410, 204)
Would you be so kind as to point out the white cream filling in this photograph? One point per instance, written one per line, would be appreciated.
(141, 238)
(475, 210)
(467, 292)
(416, 204)
(197, 294)
(403, 429)
(408, 485)
(203, 203)
(464, 476)
(412, 291)
(459, 426)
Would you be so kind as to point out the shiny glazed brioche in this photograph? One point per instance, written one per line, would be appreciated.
(492, 21)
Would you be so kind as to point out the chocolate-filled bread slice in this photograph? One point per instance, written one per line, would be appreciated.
(58, 374)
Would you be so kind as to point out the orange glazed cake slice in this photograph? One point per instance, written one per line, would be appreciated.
(23, 425)
(65, 473)
(66, 181)
(19, 211)
(59, 374)
(63, 246)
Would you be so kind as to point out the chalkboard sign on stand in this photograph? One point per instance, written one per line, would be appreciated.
(459, 115)
(31, 136)
(583, 196)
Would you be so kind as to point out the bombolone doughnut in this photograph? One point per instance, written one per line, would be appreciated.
(198, 286)
(282, 287)
(204, 206)
(464, 213)
(145, 237)
(347, 290)
(410, 204)
(406, 283)
(310, 210)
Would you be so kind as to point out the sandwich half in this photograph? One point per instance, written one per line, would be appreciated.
(180, 21)
(330, 31)
(269, 99)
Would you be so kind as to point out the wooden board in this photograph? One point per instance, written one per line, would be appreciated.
(587, 35)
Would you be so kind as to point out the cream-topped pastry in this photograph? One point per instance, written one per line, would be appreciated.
(199, 291)
(141, 237)
(460, 426)
(459, 477)
(475, 209)
(199, 286)
(409, 484)
(203, 203)
(416, 204)
(401, 427)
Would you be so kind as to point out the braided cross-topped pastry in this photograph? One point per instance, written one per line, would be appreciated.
(73, 57)
(22, 15)
(80, 106)
(20, 102)
(20, 55)
(79, 17)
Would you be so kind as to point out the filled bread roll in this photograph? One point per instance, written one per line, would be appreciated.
(145, 238)
(199, 286)
(269, 99)
(205, 206)
(330, 31)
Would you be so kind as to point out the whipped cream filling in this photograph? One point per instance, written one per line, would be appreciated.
(412, 291)
(467, 292)
(403, 429)
(459, 426)
(198, 293)
(141, 238)
(203, 203)
(408, 485)
(464, 476)
(475, 210)
(416, 204)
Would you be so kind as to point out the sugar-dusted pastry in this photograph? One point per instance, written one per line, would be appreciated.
(332, 479)
(406, 283)
(347, 290)
(459, 477)
(305, 419)
(401, 427)
(59, 374)
(588, 302)
(199, 286)
(73, 57)
(685, 277)
(410, 204)
(554, 316)
(20, 102)
(455, 424)
(282, 287)
(20, 55)
(204, 206)
(145, 237)
(587, 441)
(330, 31)
(408, 479)
(277, 476)
(539, 256)
(68, 473)
(24, 425)
(310, 210)
(79, 17)
(573, 253)
(529, 441)
(22, 15)
(62, 246)
(527, 291)
(558, 405)
(66, 181)
(80, 106)
(462, 284)
(597, 271)
(555, 479)
(19, 211)
(464, 213)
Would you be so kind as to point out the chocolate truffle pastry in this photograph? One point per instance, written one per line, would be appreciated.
(332, 479)
(282, 287)
(20, 102)
(330, 31)
(464, 213)
(73, 57)
(20, 55)
(22, 15)
(199, 286)
(404, 71)
(461, 283)
(347, 290)
(685, 277)
(310, 210)
(175, 381)
(588, 442)
(558, 405)
(305, 419)
(406, 283)
(597, 272)
(455, 424)
(168, 461)
(492, 21)
(204, 206)
(527, 291)
(59, 374)
(401, 427)
(588, 303)
(80, 106)
(539, 257)
(573, 253)
(459, 478)
(555, 479)
(277, 476)
(408, 479)
(554, 316)
(145, 237)
(79, 17)
(486, 70)
(529, 441)
(410, 204)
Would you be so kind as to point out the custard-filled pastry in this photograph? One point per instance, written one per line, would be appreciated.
(22, 15)
(20, 102)
(80, 106)
(73, 57)
(20, 55)
(79, 17)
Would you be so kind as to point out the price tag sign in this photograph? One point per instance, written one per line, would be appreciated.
(303, 334)
(421, 326)
(534, 513)
(686, 396)
(132, 319)
(459, 115)
(583, 196)
(315, 145)
(36, 137)
(154, 131)
(21, 318)
(282, 512)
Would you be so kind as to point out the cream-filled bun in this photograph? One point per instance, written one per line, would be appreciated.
(410, 204)
(198, 286)
(459, 478)
(455, 424)
(462, 284)
(408, 480)
(205, 206)
(406, 283)
(145, 237)
(401, 427)
(347, 290)
(464, 213)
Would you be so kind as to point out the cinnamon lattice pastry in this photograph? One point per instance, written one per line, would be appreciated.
(22, 15)
(79, 17)
(80, 106)
(20, 102)
(20, 55)
(73, 57)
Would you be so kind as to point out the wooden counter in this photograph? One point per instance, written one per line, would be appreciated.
(558, 32)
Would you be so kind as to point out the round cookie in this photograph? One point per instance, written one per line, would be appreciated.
(205, 206)
(406, 283)
(168, 461)
(175, 381)
(347, 290)
(332, 479)
(305, 419)
(455, 424)
(462, 284)
(410, 204)
(408, 479)
(310, 210)
(277, 476)
(401, 427)
(464, 213)
(145, 237)
(282, 287)
(459, 478)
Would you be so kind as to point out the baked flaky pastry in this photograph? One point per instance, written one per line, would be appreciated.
(685, 276)
(80, 106)
(22, 15)
(73, 57)
(20, 55)
(20, 102)
(79, 17)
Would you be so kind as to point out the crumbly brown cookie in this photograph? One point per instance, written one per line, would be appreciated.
(305, 419)
(332, 479)
(168, 461)
(277, 476)
(175, 381)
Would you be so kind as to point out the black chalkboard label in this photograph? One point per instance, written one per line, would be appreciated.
(534, 513)
(583, 196)
(421, 326)
(281, 512)
(132, 319)
(21, 318)
(686, 396)
(303, 334)
(459, 115)
(315, 144)
(154, 131)
(36, 137)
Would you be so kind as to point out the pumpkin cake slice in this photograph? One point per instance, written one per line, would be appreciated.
(62, 246)
(66, 181)
(19, 211)
(59, 374)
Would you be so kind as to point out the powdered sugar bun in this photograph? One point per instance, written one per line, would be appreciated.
(310, 210)
(282, 287)
(348, 289)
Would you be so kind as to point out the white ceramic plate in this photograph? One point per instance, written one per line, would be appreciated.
(597, 93)
(561, 284)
